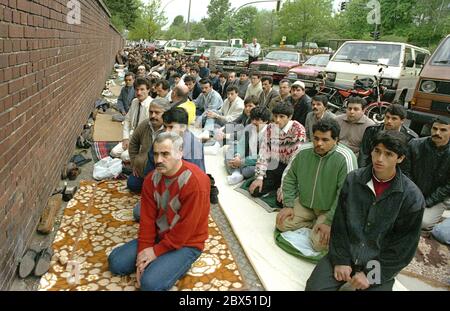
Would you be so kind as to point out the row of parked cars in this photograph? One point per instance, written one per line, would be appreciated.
(411, 75)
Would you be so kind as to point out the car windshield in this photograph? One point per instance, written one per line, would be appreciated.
(239, 53)
(442, 55)
(388, 54)
(194, 44)
(320, 61)
(282, 56)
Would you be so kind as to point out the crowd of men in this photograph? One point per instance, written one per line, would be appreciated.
(367, 191)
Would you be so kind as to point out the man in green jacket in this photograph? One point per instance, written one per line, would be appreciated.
(312, 184)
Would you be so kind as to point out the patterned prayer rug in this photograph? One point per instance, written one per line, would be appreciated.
(102, 149)
(109, 224)
(431, 263)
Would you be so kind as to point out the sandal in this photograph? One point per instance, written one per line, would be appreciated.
(79, 159)
(43, 261)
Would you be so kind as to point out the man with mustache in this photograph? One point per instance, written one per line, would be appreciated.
(429, 167)
(174, 220)
(142, 140)
(319, 112)
(376, 226)
(394, 120)
(312, 184)
(138, 112)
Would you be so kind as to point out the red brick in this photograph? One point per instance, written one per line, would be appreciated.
(15, 31)
(23, 5)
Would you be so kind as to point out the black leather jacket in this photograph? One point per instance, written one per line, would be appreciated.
(429, 168)
(364, 158)
(366, 228)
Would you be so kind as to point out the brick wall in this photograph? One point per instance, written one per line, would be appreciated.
(51, 72)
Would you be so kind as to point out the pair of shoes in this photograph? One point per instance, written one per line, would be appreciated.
(214, 192)
(35, 260)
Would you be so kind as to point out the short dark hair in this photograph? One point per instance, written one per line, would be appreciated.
(394, 141)
(163, 83)
(205, 81)
(188, 79)
(251, 99)
(232, 88)
(441, 120)
(177, 115)
(283, 108)
(195, 68)
(326, 125)
(142, 81)
(255, 74)
(244, 72)
(267, 78)
(130, 74)
(321, 98)
(176, 75)
(224, 75)
(357, 100)
(397, 110)
(261, 113)
(286, 81)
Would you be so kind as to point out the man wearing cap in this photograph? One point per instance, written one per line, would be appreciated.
(300, 101)
(141, 72)
(138, 112)
(142, 140)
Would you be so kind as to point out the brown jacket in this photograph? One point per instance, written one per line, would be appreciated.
(140, 145)
(352, 133)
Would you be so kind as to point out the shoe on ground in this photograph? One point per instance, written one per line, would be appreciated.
(28, 262)
(43, 261)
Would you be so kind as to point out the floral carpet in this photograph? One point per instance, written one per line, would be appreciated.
(108, 224)
(431, 263)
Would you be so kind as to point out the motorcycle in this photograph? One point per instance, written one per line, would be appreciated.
(367, 88)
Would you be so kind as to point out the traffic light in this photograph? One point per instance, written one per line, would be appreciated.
(343, 5)
(375, 35)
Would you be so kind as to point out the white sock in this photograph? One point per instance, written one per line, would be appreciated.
(235, 178)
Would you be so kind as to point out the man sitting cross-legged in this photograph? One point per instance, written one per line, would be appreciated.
(281, 141)
(312, 184)
(174, 221)
(241, 160)
(376, 226)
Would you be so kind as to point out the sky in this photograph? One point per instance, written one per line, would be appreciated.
(199, 8)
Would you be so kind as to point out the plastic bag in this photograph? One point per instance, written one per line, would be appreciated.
(107, 168)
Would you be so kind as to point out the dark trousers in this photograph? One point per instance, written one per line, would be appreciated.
(271, 182)
(251, 60)
(322, 279)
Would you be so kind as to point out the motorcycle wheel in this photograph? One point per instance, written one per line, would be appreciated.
(376, 112)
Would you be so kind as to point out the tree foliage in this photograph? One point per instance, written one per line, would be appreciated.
(150, 22)
(217, 11)
(124, 12)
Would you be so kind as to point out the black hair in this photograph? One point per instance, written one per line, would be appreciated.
(176, 75)
(267, 78)
(441, 120)
(142, 81)
(232, 88)
(164, 84)
(357, 100)
(283, 108)
(130, 74)
(261, 113)
(224, 75)
(255, 74)
(195, 68)
(397, 110)
(177, 115)
(322, 99)
(326, 125)
(189, 79)
(251, 99)
(394, 141)
(286, 81)
(205, 81)
(245, 72)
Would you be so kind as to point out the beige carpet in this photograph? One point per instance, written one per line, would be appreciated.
(108, 225)
(107, 130)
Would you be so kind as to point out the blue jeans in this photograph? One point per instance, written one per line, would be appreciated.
(442, 231)
(162, 273)
(135, 183)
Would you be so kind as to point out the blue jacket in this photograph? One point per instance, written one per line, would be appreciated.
(125, 98)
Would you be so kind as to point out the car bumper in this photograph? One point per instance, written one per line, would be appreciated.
(424, 117)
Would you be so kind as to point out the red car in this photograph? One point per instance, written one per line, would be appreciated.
(277, 63)
(309, 72)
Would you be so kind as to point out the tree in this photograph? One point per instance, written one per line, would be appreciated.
(148, 26)
(266, 27)
(124, 12)
(243, 23)
(178, 21)
(217, 11)
(299, 19)
(199, 30)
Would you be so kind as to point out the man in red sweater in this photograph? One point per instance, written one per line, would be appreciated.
(174, 220)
